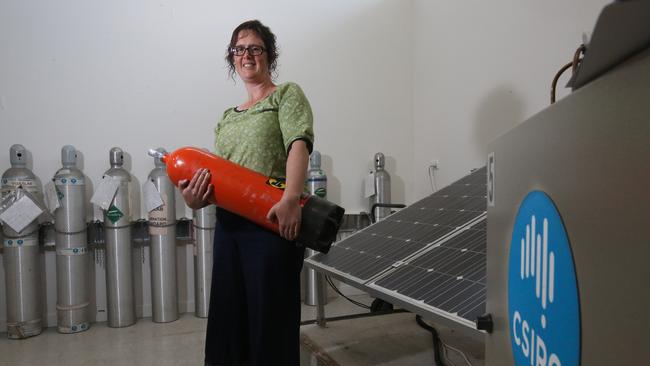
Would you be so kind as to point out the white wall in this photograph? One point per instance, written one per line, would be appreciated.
(98, 74)
(136, 75)
(480, 68)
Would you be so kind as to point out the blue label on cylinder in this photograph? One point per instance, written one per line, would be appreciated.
(543, 306)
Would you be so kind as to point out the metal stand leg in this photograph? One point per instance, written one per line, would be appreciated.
(320, 300)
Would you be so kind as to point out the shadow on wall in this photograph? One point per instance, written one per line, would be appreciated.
(397, 193)
(90, 188)
(333, 184)
(500, 110)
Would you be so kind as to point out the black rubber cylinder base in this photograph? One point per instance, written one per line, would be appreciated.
(320, 223)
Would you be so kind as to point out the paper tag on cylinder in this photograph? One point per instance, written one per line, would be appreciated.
(152, 198)
(21, 213)
(105, 192)
(51, 197)
(158, 217)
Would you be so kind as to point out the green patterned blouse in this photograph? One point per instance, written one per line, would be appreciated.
(259, 138)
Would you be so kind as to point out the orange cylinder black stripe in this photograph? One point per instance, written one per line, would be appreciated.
(236, 189)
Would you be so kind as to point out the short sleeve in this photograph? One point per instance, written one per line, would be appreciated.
(295, 117)
(217, 129)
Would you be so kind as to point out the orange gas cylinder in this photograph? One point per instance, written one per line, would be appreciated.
(251, 195)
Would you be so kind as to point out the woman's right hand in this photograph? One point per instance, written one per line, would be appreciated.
(197, 192)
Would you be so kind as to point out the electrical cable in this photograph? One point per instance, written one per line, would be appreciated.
(437, 343)
(462, 354)
(446, 354)
(573, 65)
(555, 79)
(329, 281)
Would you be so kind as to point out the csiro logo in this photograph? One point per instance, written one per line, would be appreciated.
(543, 307)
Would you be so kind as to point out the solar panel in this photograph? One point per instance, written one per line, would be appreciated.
(431, 253)
(449, 276)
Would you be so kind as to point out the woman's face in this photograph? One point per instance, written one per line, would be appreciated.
(251, 68)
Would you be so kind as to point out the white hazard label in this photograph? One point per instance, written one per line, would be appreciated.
(105, 192)
(51, 197)
(21, 213)
(152, 198)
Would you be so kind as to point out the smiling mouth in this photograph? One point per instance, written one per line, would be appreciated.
(248, 65)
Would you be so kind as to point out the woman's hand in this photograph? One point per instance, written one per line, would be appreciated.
(287, 214)
(197, 192)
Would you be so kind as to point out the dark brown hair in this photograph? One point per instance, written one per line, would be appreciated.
(267, 37)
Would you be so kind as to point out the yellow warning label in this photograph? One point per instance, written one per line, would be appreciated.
(279, 183)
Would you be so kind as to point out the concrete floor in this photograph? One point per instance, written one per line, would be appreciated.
(381, 340)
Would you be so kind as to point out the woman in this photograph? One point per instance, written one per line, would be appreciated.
(254, 316)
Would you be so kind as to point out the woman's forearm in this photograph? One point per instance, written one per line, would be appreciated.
(296, 170)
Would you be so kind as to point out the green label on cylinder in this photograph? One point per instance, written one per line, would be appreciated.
(114, 214)
(321, 192)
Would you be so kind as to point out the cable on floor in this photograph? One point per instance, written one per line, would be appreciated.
(437, 343)
(461, 353)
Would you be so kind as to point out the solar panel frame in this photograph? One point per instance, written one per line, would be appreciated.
(399, 245)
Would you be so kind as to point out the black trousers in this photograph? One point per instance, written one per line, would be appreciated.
(254, 316)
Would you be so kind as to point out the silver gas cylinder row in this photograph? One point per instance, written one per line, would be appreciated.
(22, 255)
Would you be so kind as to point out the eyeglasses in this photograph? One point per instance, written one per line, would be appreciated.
(252, 50)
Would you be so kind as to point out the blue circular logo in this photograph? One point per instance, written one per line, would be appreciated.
(73, 180)
(9, 242)
(543, 306)
(20, 242)
(63, 180)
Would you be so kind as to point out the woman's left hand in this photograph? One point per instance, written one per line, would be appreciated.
(287, 214)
